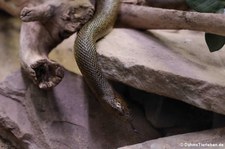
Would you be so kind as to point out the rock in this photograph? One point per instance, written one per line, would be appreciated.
(166, 63)
(15, 124)
(187, 72)
(205, 139)
(63, 118)
(4, 144)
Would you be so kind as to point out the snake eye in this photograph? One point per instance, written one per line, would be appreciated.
(118, 105)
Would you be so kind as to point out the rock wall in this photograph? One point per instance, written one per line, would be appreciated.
(65, 117)
(170, 63)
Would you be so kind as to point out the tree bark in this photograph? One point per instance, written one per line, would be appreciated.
(142, 17)
(44, 26)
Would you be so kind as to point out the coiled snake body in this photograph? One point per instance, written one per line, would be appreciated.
(86, 57)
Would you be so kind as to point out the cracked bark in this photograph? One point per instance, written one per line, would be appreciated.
(142, 17)
(44, 27)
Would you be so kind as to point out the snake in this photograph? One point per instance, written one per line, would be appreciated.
(86, 58)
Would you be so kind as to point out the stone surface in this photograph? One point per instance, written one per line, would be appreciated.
(4, 144)
(206, 139)
(176, 70)
(69, 117)
(15, 123)
(65, 117)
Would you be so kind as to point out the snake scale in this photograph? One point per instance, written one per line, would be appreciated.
(86, 57)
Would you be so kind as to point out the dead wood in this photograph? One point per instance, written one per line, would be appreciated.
(44, 27)
(142, 17)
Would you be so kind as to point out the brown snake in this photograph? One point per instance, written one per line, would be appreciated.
(86, 57)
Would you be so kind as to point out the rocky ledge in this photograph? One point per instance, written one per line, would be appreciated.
(66, 117)
(180, 67)
(205, 139)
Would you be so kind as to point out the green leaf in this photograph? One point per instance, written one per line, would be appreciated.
(209, 6)
(214, 42)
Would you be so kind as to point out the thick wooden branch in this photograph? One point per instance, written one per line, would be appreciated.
(142, 17)
(44, 26)
(14, 7)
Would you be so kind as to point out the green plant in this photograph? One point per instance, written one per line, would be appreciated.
(213, 41)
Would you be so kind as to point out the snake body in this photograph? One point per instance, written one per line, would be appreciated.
(86, 57)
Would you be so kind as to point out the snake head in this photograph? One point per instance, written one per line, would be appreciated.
(120, 108)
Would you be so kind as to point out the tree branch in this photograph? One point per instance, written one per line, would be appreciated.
(44, 27)
(142, 17)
